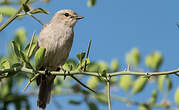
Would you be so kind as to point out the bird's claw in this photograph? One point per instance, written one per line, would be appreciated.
(47, 72)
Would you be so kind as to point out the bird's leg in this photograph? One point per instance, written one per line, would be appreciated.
(44, 77)
(47, 72)
(48, 77)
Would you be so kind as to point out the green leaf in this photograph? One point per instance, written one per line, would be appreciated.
(161, 82)
(136, 54)
(149, 62)
(154, 97)
(93, 67)
(1, 17)
(26, 7)
(67, 67)
(143, 107)
(93, 82)
(26, 60)
(87, 60)
(16, 49)
(133, 57)
(177, 97)
(39, 57)
(32, 49)
(39, 10)
(103, 66)
(115, 65)
(7, 11)
(125, 82)
(139, 85)
(113, 80)
(10, 74)
(158, 59)
(101, 98)
(20, 37)
(4, 63)
(92, 106)
(5, 89)
(154, 60)
(74, 102)
(91, 3)
(81, 56)
(72, 63)
(57, 81)
(24, 57)
(169, 83)
(15, 65)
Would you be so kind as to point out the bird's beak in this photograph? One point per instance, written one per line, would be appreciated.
(79, 17)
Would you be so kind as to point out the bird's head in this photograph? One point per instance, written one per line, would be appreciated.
(66, 17)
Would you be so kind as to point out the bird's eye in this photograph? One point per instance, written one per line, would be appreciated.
(66, 14)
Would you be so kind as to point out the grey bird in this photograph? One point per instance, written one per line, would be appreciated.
(57, 38)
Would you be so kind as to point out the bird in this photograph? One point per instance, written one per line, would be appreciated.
(57, 38)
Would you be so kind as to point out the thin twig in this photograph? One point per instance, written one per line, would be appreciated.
(82, 84)
(12, 18)
(108, 91)
(33, 78)
(35, 19)
(28, 52)
(89, 45)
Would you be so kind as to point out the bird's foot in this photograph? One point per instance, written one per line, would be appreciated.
(47, 72)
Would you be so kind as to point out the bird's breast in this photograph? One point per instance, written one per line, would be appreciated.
(57, 49)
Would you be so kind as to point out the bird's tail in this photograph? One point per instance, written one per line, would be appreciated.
(46, 83)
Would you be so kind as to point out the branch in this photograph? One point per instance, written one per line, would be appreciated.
(12, 18)
(107, 76)
(76, 72)
(89, 45)
(108, 91)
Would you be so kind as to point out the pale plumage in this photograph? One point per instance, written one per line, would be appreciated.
(57, 38)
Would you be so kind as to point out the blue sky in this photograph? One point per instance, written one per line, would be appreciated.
(114, 27)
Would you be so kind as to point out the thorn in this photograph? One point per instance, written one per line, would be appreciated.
(149, 75)
(30, 81)
(128, 67)
(61, 68)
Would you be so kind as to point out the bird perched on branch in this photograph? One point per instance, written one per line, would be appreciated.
(57, 38)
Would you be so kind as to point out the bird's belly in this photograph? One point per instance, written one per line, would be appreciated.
(56, 54)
